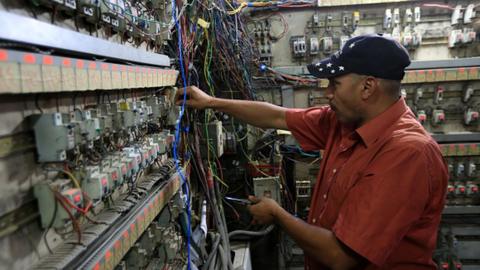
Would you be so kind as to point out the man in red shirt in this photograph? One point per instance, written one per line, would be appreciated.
(381, 187)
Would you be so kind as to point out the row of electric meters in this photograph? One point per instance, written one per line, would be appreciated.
(97, 182)
(56, 133)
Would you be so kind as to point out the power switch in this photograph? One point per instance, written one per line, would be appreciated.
(438, 95)
(472, 189)
(471, 169)
(470, 117)
(421, 117)
(438, 117)
(460, 170)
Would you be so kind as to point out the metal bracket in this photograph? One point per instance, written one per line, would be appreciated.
(30, 31)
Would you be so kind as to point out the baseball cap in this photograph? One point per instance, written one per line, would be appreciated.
(372, 55)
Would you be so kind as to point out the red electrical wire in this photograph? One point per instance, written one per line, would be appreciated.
(75, 225)
(219, 168)
(435, 5)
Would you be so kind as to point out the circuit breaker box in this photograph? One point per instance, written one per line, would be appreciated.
(95, 184)
(267, 187)
(52, 213)
(212, 139)
(52, 137)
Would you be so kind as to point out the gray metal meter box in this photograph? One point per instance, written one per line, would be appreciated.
(161, 141)
(142, 112)
(129, 163)
(212, 138)
(95, 184)
(158, 108)
(89, 9)
(165, 105)
(122, 118)
(89, 126)
(46, 202)
(69, 120)
(104, 120)
(136, 113)
(267, 187)
(133, 154)
(52, 137)
(174, 111)
(173, 115)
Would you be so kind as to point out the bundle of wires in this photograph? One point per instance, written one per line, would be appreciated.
(214, 52)
(211, 36)
(277, 4)
(178, 130)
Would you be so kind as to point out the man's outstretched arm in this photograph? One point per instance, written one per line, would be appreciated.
(256, 113)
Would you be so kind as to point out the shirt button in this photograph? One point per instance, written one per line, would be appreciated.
(334, 170)
(314, 220)
(325, 196)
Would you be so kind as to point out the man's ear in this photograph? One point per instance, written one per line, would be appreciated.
(370, 86)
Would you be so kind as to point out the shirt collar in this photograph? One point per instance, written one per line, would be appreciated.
(379, 125)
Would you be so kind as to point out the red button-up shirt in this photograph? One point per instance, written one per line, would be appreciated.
(381, 187)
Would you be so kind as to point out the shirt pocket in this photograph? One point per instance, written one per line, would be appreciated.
(342, 183)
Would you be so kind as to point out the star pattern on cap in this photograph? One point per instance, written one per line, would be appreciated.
(330, 67)
(352, 45)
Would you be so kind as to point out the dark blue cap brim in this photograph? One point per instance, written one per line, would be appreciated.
(327, 68)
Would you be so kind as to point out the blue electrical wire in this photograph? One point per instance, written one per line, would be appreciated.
(178, 127)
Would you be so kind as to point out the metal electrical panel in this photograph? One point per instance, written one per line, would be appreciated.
(213, 138)
(52, 213)
(267, 187)
(52, 136)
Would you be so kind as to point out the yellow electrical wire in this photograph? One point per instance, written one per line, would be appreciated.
(220, 180)
(237, 10)
(228, 2)
(252, 4)
(72, 177)
(251, 162)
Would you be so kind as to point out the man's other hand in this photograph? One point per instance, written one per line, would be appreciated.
(196, 98)
(263, 210)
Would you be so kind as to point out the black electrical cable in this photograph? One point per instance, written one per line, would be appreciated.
(37, 96)
(213, 251)
(252, 233)
(55, 209)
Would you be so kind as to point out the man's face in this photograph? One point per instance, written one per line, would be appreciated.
(343, 94)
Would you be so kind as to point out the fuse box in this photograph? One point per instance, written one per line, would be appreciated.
(95, 184)
(51, 211)
(132, 153)
(52, 137)
(212, 139)
(267, 187)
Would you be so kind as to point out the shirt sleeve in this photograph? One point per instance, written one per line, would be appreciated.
(384, 203)
(311, 126)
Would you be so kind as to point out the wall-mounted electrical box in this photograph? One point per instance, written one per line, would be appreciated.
(212, 139)
(387, 19)
(298, 45)
(52, 212)
(327, 45)
(95, 184)
(52, 137)
(314, 46)
(267, 187)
